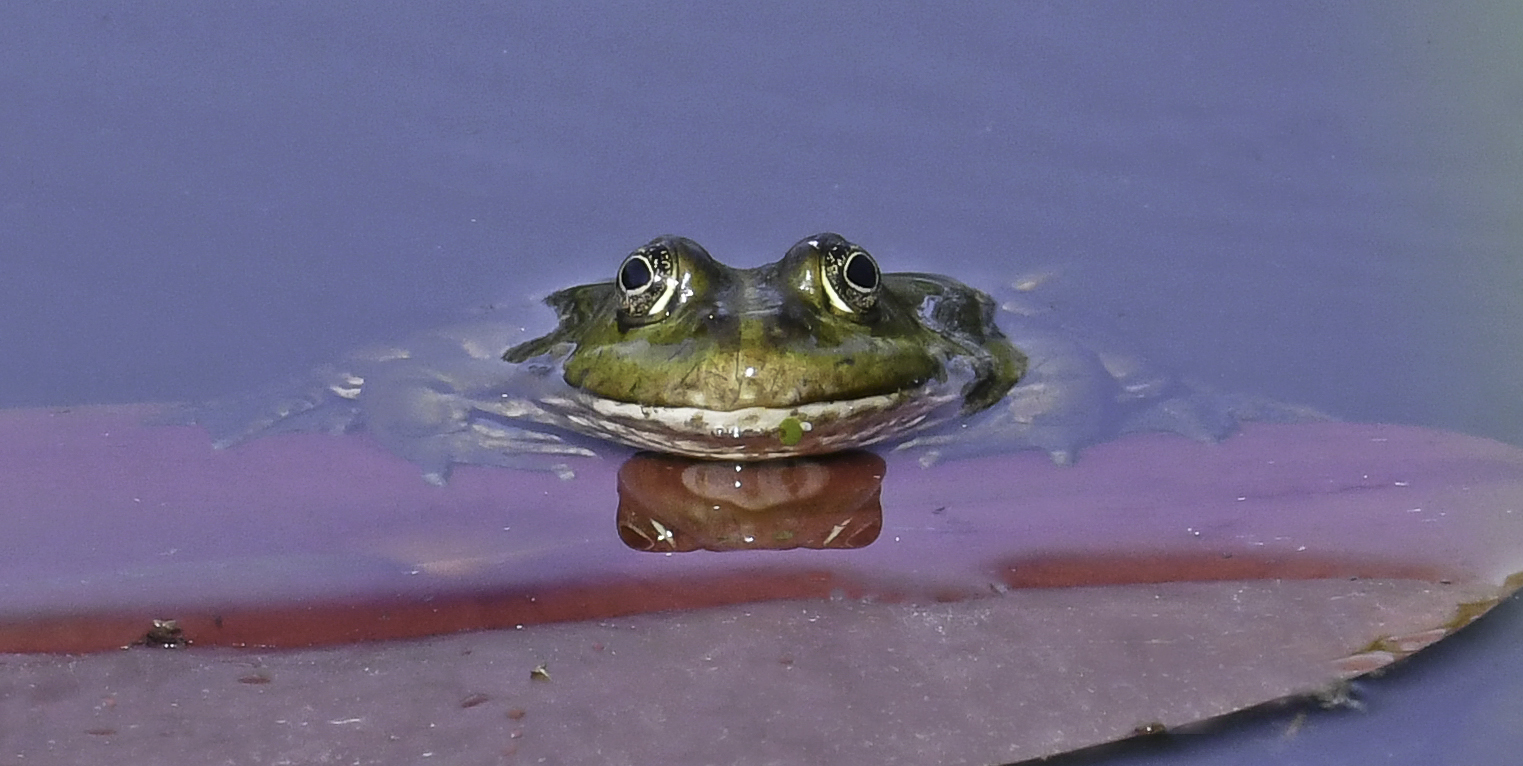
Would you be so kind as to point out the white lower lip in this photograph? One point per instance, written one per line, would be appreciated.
(753, 433)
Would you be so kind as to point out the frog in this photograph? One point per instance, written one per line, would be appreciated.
(815, 353)
(818, 352)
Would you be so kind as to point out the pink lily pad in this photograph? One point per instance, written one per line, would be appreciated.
(1008, 608)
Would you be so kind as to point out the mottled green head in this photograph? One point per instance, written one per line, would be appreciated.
(678, 330)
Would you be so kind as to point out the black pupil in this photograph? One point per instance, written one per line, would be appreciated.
(635, 275)
(860, 272)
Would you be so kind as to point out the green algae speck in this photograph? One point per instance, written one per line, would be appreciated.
(790, 432)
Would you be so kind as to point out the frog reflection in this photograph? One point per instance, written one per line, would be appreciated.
(669, 503)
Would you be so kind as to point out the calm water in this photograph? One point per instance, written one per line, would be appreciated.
(1320, 205)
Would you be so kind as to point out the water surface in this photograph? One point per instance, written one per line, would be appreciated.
(1315, 204)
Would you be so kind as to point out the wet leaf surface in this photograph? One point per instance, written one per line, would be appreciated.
(1008, 609)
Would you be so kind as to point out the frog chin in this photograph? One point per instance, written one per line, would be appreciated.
(758, 433)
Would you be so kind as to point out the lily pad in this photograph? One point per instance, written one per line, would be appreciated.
(1007, 609)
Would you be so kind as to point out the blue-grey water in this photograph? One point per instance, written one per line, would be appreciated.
(1318, 202)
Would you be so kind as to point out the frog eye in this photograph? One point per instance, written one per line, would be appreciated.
(646, 283)
(851, 276)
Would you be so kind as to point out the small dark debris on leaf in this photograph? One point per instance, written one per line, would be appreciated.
(517, 713)
(165, 634)
(473, 699)
(259, 676)
(1150, 729)
(100, 732)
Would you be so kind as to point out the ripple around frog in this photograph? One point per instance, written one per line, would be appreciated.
(446, 397)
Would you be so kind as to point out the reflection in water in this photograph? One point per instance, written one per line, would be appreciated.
(669, 503)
